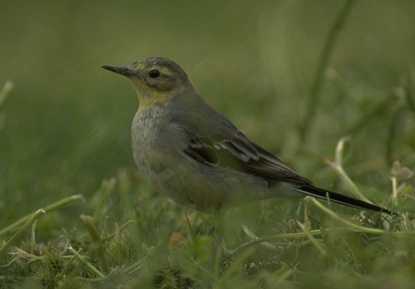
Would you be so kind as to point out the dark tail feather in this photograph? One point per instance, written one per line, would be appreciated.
(341, 199)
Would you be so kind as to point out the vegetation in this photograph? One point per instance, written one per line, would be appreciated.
(329, 86)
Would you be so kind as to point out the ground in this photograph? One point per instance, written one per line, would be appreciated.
(74, 212)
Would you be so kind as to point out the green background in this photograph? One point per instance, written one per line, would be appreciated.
(67, 120)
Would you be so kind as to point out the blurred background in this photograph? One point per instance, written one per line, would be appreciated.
(67, 120)
(65, 129)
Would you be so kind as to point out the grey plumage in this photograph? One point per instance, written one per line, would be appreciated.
(196, 155)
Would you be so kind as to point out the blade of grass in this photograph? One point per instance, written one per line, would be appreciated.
(29, 221)
(83, 260)
(329, 46)
(5, 91)
(410, 91)
(351, 225)
(252, 236)
(54, 206)
(337, 166)
(287, 236)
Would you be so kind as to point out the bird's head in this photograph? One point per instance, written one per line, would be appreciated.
(156, 79)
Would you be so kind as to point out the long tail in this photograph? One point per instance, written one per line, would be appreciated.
(341, 199)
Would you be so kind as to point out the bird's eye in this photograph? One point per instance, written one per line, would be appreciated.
(154, 73)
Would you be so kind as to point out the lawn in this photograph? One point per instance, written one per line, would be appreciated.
(329, 86)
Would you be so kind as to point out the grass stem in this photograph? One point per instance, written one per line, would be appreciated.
(54, 206)
(86, 263)
(28, 223)
(324, 59)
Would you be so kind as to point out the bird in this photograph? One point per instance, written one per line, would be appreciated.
(198, 157)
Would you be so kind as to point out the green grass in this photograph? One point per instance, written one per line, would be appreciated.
(147, 243)
(330, 87)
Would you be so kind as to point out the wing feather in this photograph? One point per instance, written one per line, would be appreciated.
(239, 153)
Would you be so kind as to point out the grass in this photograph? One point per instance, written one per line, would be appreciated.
(74, 214)
(150, 244)
(323, 64)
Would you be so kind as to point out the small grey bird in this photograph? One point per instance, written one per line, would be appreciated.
(196, 155)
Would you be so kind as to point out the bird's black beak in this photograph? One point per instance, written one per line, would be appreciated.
(121, 69)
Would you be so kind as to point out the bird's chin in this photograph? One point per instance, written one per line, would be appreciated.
(141, 90)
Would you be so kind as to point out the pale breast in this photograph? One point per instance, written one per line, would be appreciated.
(145, 136)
